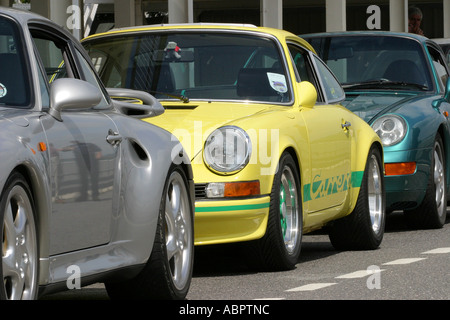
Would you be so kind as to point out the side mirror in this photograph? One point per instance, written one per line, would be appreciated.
(307, 94)
(447, 91)
(135, 103)
(69, 93)
(446, 98)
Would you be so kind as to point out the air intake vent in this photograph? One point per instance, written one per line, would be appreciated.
(180, 107)
(200, 191)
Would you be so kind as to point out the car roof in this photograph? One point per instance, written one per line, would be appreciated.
(282, 34)
(366, 33)
(21, 15)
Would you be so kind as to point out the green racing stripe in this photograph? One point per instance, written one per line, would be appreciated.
(233, 208)
(320, 188)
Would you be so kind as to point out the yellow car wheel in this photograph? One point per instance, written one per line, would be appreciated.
(363, 229)
(279, 249)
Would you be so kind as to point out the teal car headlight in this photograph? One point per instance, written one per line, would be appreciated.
(227, 150)
(390, 128)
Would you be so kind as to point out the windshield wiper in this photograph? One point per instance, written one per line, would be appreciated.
(181, 98)
(383, 82)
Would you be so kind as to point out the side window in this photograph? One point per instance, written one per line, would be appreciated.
(90, 76)
(43, 80)
(439, 66)
(52, 57)
(332, 88)
(58, 62)
(300, 59)
(15, 88)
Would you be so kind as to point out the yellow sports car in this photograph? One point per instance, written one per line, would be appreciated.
(273, 152)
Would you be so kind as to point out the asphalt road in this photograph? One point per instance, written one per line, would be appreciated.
(409, 265)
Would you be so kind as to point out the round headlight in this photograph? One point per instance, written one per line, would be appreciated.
(390, 128)
(227, 149)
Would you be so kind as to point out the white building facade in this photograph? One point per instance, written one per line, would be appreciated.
(83, 17)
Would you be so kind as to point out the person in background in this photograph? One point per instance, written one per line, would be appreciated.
(414, 20)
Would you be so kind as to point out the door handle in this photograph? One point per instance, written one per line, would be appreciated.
(346, 125)
(113, 138)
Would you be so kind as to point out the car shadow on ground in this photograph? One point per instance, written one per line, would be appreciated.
(229, 259)
(396, 222)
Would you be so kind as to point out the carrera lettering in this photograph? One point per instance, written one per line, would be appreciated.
(323, 187)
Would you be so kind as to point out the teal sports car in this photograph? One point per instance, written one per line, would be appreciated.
(398, 83)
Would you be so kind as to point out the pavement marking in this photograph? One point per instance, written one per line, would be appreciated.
(362, 273)
(359, 274)
(403, 261)
(311, 287)
(437, 250)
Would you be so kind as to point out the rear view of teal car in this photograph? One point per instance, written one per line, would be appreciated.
(398, 83)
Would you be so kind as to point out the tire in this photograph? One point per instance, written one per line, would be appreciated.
(279, 248)
(19, 267)
(363, 229)
(432, 212)
(168, 272)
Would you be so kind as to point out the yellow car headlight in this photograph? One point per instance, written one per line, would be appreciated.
(227, 150)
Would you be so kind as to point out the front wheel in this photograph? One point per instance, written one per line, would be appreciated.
(279, 249)
(363, 229)
(19, 267)
(168, 272)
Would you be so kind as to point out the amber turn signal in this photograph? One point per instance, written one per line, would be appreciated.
(401, 168)
(241, 189)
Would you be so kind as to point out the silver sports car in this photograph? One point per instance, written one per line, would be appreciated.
(89, 192)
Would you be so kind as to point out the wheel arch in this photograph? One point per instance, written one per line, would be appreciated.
(445, 136)
(42, 207)
(187, 169)
(291, 150)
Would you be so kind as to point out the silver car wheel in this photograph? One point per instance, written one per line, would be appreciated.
(288, 210)
(375, 195)
(19, 246)
(178, 225)
(439, 180)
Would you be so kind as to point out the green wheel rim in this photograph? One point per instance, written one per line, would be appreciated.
(289, 210)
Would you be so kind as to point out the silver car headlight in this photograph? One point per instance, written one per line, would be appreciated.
(390, 128)
(227, 150)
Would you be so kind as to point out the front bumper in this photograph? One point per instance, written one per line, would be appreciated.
(407, 191)
(226, 221)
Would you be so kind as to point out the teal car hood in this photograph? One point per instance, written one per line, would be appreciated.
(369, 106)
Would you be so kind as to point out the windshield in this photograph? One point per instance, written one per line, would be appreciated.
(209, 66)
(14, 83)
(375, 62)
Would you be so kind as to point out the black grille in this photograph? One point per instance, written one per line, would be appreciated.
(200, 191)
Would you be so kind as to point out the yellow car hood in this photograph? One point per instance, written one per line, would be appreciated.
(192, 122)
